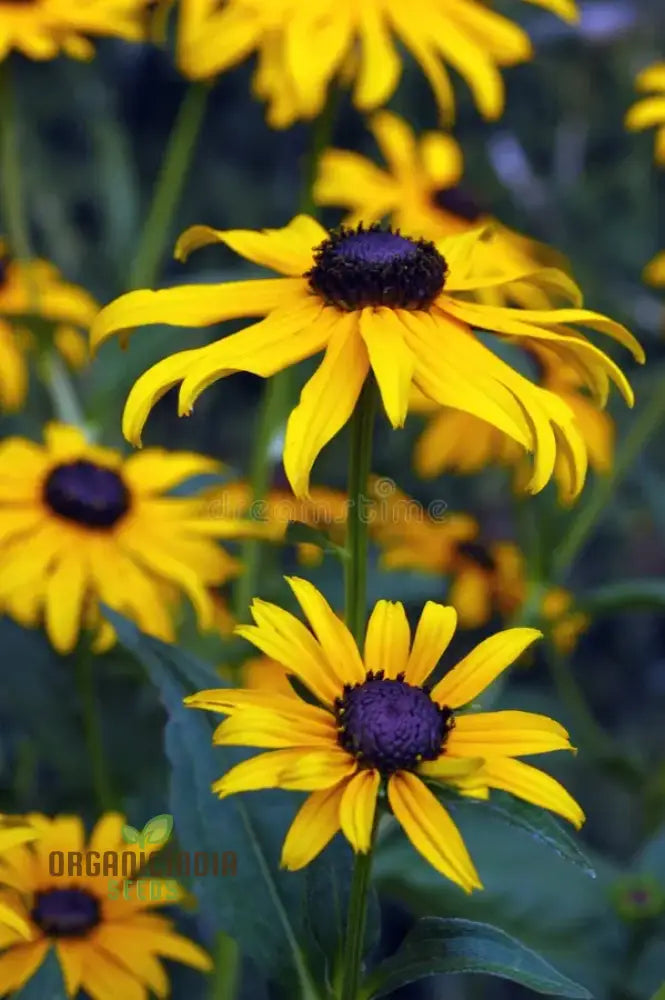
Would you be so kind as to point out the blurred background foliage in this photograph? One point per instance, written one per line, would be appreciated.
(558, 166)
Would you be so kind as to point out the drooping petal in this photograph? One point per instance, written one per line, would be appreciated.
(357, 809)
(533, 785)
(287, 250)
(505, 734)
(483, 665)
(380, 65)
(66, 590)
(326, 402)
(431, 830)
(392, 361)
(387, 639)
(316, 823)
(433, 634)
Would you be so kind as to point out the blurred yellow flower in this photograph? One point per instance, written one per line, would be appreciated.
(375, 301)
(419, 192)
(79, 524)
(654, 272)
(485, 579)
(36, 289)
(461, 442)
(379, 724)
(304, 47)
(107, 941)
(649, 112)
(43, 29)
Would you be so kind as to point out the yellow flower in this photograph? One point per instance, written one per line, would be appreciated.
(106, 941)
(654, 272)
(373, 300)
(80, 524)
(36, 289)
(564, 623)
(304, 47)
(419, 192)
(650, 111)
(42, 29)
(379, 724)
(462, 442)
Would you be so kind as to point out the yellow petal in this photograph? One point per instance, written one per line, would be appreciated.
(357, 809)
(380, 65)
(191, 305)
(157, 470)
(433, 634)
(336, 641)
(532, 785)
(267, 729)
(391, 360)
(387, 640)
(326, 402)
(21, 962)
(645, 114)
(15, 921)
(287, 250)
(483, 665)
(431, 830)
(442, 159)
(65, 595)
(263, 771)
(316, 823)
(505, 734)
(450, 768)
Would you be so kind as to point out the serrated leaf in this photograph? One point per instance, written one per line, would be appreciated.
(130, 834)
(437, 946)
(47, 983)
(251, 827)
(302, 534)
(158, 829)
(537, 822)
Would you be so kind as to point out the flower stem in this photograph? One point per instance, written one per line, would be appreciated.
(85, 664)
(355, 928)
(58, 384)
(224, 981)
(646, 423)
(360, 459)
(11, 189)
(144, 270)
(322, 130)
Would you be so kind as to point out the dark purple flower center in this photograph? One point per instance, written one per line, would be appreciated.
(357, 268)
(87, 493)
(458, 202)
(391, 725)
(65, 912)
(478, 554)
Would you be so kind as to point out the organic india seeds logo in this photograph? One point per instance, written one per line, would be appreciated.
(147, 869)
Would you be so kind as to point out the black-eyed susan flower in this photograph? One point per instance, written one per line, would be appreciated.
(485, 579)
(14, 830)
(107, 940)
(303, 47)
(458, 441)
(36, 289)
(378, 725)
(420, 191)
(649, 112)
(374, 300)
(43, 29)
(79, 524)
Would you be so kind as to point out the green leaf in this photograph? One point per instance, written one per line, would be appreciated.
(47, 983)
(130, 834)
(158, 829)
(302, 534)
(660, 993)
(649, 593)
(537, 822)
(436, 946)
(250, 828)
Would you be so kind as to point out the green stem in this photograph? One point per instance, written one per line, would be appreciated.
(11, 191)
(646, 422)
(224, 982)
(85, 678)
(322, 130)
(58, 384)
(145, 267)
(355, 928)
(355, 567)
(276, 397)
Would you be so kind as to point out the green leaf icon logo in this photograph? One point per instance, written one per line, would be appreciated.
(157, 830)
(130, 834)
